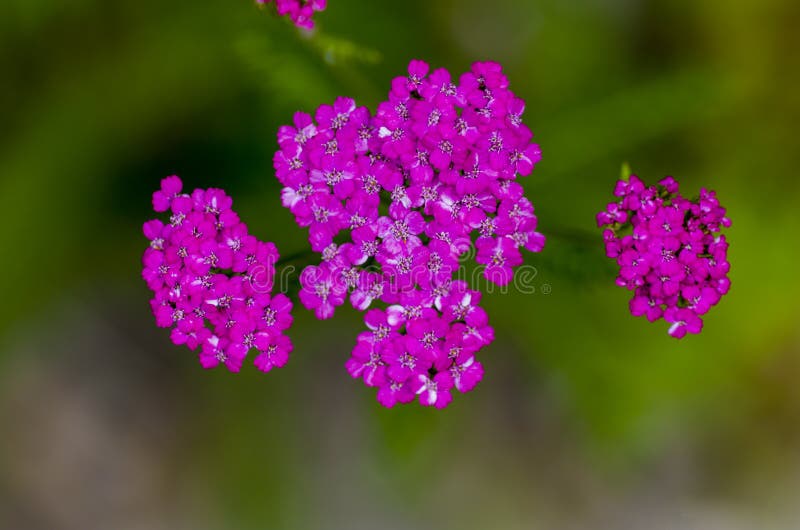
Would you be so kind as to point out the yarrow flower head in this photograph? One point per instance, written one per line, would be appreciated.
(669, 250)
(300, 11)
(212, 281)
(393, 201)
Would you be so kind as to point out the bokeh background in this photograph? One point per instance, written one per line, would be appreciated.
(587, 417)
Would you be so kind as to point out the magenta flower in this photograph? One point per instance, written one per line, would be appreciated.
(434, 391)
(211, 281)
(500, 255)
(300, 11)
(466, 372)
(170, 190)
(274, 349)
(322, 290)
(683, 321)
(366, 362)
(669, 251)
(393, 200)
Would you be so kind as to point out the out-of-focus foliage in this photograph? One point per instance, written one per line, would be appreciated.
(99, 100)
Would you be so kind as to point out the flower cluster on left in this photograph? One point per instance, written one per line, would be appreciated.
(212, 281)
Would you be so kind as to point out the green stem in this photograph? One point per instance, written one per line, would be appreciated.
(301, 254)
(577, 236)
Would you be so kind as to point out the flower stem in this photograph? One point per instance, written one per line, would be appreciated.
(297, 256)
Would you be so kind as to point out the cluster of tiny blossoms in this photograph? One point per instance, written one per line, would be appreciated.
(393, 201)
(669, 250)
(211, 280)
(300, 11)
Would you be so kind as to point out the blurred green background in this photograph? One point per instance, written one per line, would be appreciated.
(587, 417)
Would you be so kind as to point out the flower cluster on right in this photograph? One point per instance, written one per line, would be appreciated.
(393, 201)
(669, 250)
(300, 11)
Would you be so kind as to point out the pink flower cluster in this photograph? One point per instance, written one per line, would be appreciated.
(669, 251)
(393, 201)
(300, 11)
(211, 280)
